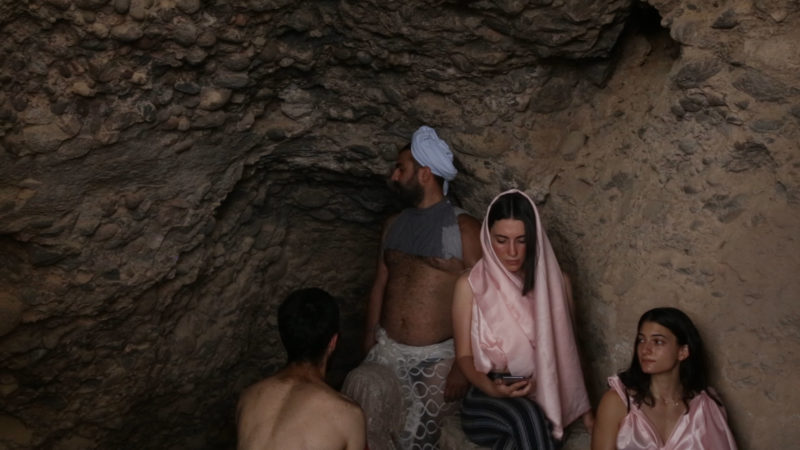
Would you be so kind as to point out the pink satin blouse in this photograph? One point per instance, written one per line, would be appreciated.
(704, 427)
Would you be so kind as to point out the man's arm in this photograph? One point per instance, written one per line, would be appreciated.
(457, 384)
(470, 229)
(375, 301)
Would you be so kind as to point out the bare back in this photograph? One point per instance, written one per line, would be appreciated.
(283, 412)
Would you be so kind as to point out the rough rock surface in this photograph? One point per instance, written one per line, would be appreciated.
(170, 170)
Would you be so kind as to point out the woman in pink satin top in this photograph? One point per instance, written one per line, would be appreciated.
(663, 401)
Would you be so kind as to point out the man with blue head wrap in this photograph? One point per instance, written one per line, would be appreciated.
(409, 332)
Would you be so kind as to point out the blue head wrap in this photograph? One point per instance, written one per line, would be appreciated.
(430, 151)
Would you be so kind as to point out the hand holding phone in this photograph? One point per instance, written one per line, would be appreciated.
(511, 379)
(511, 386)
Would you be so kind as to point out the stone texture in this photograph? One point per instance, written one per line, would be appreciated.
(10, 313)
(169, 171)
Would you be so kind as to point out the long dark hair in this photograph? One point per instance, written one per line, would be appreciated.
(516, 206)
(692, 369)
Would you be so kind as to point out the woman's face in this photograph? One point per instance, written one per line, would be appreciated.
(658, 350)
(508, 243)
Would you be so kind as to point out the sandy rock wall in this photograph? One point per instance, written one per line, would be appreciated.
(170, 170)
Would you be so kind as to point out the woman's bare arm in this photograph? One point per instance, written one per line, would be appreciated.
(462, 323)
(610, 414)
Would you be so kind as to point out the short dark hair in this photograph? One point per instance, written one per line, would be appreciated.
(516, 206)
(693, 376)
(307, 321)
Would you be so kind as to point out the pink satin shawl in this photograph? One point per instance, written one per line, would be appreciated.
(704, 427)
(529, 335)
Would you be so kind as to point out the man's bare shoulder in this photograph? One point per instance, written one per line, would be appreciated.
(299, 397)
(466, 219)
(282, 385)
(388, 224)
(469, 226)
(276, 381)
(348, 402)
(390, 220)
(332, 396)
(351, 412)
(317, 394)
(257, 387)
(252, 395)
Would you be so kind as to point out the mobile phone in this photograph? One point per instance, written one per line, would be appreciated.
(511, 379)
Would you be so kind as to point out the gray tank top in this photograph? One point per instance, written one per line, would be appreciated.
(430, 232)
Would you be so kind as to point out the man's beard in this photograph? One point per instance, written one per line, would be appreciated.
(410, 195)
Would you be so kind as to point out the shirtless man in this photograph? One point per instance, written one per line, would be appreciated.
(408, 377)
(295, 408)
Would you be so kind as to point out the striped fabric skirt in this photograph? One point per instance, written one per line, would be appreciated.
(505, 423)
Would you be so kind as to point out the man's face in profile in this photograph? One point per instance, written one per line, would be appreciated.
(403, 180)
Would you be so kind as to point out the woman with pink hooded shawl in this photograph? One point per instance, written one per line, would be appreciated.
(511, 318)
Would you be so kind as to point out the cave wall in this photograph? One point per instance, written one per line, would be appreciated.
(170, 170)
